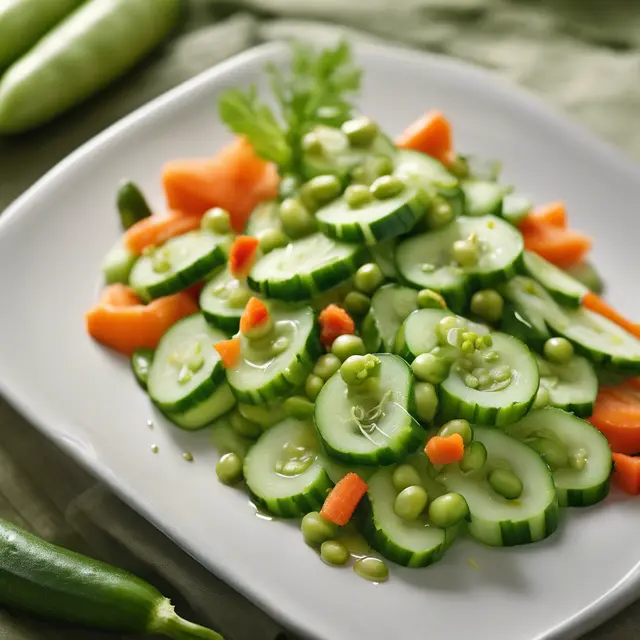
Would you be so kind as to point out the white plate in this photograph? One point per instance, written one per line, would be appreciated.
(52, 241)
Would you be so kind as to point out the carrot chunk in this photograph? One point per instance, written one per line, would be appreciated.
(430, 134)
(627, 473)
(341, 503)
(334, 321)
(243, 255)
(255, 315)
(156, 230)
(229, 351)
(445, 449)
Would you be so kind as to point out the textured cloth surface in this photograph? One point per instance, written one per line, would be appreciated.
(581, 55)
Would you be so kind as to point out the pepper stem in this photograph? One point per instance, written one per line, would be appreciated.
(168, 623)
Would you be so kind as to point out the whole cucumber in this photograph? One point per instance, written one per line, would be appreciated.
(90, 48)
(52, 583)
(24, 22)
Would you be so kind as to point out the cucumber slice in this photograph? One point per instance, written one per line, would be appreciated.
(572, 386)
(264, 217)
(390, 306)
(337, 470)
(501, 403)
(385, 439)
(516, 207)
(411, 544)
(417, 334)
(227, 440)
(186, 373)
(576, 487)
(424, 261)
(185, 260)
(377, 221)
(215, 301)
(305, 268)
(586, 273)
(204, 413)
(482, 198)
(495, 520)
(262, 376)
(275, 487)
(565, 289)
(141, 361)
(383, 254)
(117, 264)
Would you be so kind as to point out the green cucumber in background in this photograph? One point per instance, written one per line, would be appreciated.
(84, 53)
(49, 582)
(24, 22)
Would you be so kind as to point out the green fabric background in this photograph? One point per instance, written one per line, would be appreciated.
(581, 55)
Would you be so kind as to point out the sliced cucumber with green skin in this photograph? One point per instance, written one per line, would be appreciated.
(572, 386)
(495, 520)
(215, 301)
(264, 217)
(264, 376)
(586, 273)
(576, 487)
(374, 222)
(305, 268)
(417, 334)
(482, 198)
(338, 470)
(390, 306)
(499, 404)
(185, 260)
(383, 255)
(283, 495)
(117, 264)
(187, 372)
(227, 440)
(385, 439)
(516, 207)
(409, 543)
(565, 289)
(424, 261)
(141, 361)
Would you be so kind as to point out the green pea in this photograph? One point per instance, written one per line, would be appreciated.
(448, 510)
(558, 350)
(313, 386)
(243, 426)
(426, 401)
(467, 347)
(411, 502)
(238, 297)
(299, 407)
(324, 189)
(327, 365)
(347, 345)
(271, 239)
(216, 220)
(357, 195)
(439, 214)
(356, 369)
(428, 299)
(471, 336)
(474, 458)
(334, 553)
(542, 398)
(357, 304)
(551, 451)
(506, 483)
(461, 427)
(361, 132)
(465, 253)
(444, 326)
(316, 529)
(405, 475)
(368, 278)
(488, 304)
(428, 368)
(229, 468)
(266, 415)
(386, 187)
(372, 569)
(296, 219)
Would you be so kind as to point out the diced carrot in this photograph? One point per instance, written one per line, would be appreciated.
(553, 214)
(156, 230)
(341, 503)
(243, 255)
(254, 315)
(430, 134)
(617, 415)
(594, 302)
(627, 473)
(126, 327)
(334, 321)
(445, 449)
(119, 295)
(562, 247)
(236, 179)
(229, 351)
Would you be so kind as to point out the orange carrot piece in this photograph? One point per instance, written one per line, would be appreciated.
(553, 214)
(255, 313)
(627, 473)
(562, 247)
(594, 302)
(119, 295)
(156, 230)
(445, 449)
(430, 134)
(127, 327)
(334, 321)
(340, 504)
(229, 351)
(243, 255)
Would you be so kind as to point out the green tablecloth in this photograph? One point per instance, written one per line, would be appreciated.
(582, 55)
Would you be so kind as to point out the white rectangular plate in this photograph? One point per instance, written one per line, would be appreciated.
(51, 244)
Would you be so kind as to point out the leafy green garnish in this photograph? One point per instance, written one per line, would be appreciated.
(316, 89)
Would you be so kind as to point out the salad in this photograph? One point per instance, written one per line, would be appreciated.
(385, 340)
